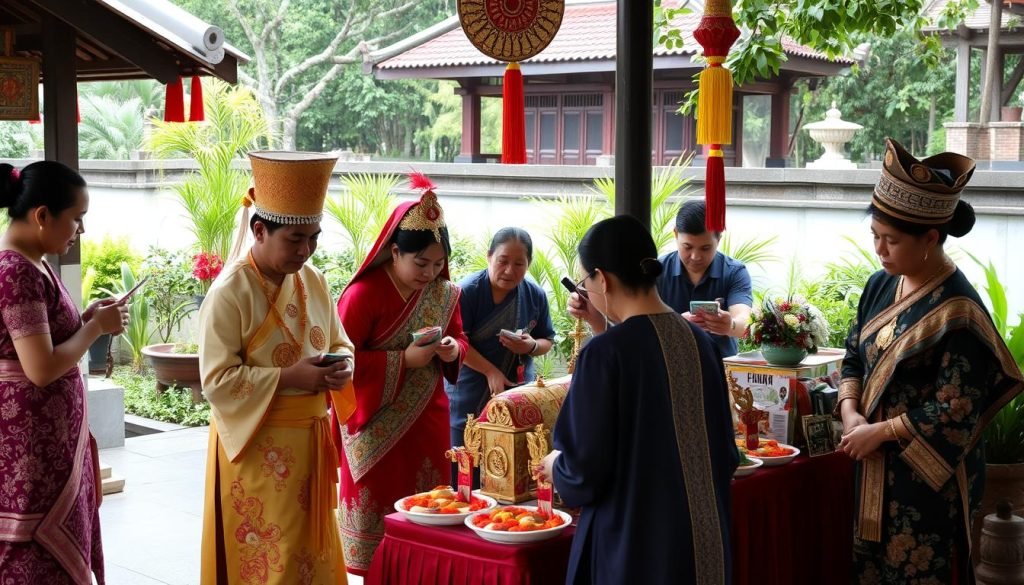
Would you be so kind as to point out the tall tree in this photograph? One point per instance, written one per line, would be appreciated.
(300, 47)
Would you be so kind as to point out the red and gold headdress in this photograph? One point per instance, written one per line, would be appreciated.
(716, 33)
(427, 215)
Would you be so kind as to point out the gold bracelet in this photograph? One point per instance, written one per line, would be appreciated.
(895, 436)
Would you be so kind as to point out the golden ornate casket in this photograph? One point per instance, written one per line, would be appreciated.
(499, 441)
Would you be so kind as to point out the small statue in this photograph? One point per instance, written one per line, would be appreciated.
(577, 344)
(751, 417)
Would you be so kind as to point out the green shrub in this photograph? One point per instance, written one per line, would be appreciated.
(106, 257)
(338, 268)
(170, 289)
(174, 405)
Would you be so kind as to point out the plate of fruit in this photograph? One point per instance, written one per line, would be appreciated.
(747, 465)
(442, 506)
(769, 451)
(517, 524)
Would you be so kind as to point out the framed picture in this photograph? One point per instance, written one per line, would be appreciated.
(19, 82)
(818, 430)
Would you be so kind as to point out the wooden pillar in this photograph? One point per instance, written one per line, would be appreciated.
(997, 83)
(470, 151)
(962, 98)
(634, 80)
(778, 142)
(608, 121)
(60, 125)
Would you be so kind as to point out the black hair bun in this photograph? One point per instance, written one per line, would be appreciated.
(650, 267)
(963, 220)
(9, 186)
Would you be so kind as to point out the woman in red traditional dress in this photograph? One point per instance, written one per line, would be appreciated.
(49, 470)
(394, 443)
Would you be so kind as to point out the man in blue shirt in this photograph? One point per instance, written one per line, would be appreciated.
(696, 271)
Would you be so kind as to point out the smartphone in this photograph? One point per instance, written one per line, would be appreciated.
(704, 307)
(128, 295)
(510, 334)
(333, 358)
(569, 284)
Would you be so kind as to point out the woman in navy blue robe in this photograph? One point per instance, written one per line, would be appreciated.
(644, 443)
(495, 299)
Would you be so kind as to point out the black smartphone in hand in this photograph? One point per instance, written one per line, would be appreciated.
(329, 359)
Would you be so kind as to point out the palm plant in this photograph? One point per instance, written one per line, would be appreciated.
(1004, 437)
(234, 125)
(139, 333)
(667, 182)
(362, 208)
(148, 92)
(110, 129)
(752, 252)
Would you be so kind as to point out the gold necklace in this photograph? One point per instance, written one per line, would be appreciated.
(887, 333)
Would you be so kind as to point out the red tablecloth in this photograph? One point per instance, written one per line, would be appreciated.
(791, 525)
(794, 523)
(421, 555)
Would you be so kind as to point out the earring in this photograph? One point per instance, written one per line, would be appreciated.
(926, 256)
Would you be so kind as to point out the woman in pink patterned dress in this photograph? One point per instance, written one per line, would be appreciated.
(49, 470)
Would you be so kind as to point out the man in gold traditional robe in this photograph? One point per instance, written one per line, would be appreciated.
(271, 478)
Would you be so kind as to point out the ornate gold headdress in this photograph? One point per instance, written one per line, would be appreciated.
(427, 215)
(921, 191)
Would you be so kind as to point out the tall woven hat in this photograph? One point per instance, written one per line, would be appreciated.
(921, 191)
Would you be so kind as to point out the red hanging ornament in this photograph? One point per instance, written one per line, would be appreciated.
(513, 117)
(196, 113)
(511, 31)
(174, 106)
(716, 33)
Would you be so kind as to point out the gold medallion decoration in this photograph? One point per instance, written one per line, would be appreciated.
(19, 81)
(511, 30)
(285, 355)
(496, 462)
(317, 338)
(291, 310)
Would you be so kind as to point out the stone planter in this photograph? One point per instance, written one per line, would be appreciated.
(1010, 113)
(1002, 482)
(175, 369)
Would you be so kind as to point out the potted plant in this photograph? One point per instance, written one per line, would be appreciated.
(139, 332)
(206, 267)
(786, 330)
(98, 349)
(176, 364)
(1012, 113)
(1004, 437)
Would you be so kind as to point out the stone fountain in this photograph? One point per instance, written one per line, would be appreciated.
(832, 133)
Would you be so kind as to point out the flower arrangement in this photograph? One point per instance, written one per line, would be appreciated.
(789, 322)
(206, 266)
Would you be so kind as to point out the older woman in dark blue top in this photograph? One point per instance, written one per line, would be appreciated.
(496, 299)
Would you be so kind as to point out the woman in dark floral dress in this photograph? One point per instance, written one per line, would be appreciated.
(925, 371)
(49, 480)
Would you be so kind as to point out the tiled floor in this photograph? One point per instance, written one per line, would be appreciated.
(151, 531)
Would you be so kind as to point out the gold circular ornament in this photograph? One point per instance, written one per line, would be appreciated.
(496, 462)
(511, 30)
(920, 173)
(317, 338)
(285, 355)
(291, 310)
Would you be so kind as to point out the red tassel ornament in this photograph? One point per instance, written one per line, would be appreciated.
(174, 106)
(196, 113)
(513, 117)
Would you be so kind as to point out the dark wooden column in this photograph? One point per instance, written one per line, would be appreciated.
(633, 86)
(470, 151)
(778, 142)
(60, 120)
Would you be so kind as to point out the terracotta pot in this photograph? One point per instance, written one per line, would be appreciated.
(1002, 482)
(1010, 113)
(175, 369)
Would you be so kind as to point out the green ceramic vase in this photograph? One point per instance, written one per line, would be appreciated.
(783, 355)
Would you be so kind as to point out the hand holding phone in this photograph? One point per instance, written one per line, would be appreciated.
(332, 358)
(426, 336)
(128, 295)
(708, 308)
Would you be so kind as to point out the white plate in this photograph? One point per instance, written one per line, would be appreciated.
(519, 537)
(748, 469)
(776, 461)
(442, 519)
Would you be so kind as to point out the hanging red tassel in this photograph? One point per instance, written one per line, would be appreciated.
(714, 190)
(716, 33)
(195, 110)
(513, 117)
(174, 107)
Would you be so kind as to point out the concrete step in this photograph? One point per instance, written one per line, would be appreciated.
(105, 471)
(113, 485)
